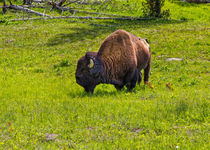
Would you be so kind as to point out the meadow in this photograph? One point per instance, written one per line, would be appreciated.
(42, 106)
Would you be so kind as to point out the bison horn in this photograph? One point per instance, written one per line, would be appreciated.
(91, 63)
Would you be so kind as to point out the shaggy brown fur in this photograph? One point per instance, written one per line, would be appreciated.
(119, 61)
(122, 50)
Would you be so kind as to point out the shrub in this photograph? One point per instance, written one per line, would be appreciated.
(152, 8)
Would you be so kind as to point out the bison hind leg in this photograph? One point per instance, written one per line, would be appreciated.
(146, 73)
(131, 79)
(140, 77)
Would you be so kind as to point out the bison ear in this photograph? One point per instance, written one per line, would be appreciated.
(87, 55)
(91, 64)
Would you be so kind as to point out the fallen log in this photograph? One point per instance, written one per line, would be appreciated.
(81, 17)
(33, 6)
(109, 18)
(16, 7)
(86, 12)
(38, 1)
(93, 3)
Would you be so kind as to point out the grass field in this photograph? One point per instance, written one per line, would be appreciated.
(42, 107)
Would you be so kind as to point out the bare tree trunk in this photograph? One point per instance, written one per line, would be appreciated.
(157, 8)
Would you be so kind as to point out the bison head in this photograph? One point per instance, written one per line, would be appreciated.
(89, 70)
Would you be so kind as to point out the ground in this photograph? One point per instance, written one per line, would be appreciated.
(42, 107)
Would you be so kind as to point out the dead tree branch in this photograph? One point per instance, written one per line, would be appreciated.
(27, 10)
(61, 2)
(83, 17)
(38, 1)
(86, 12)
(93, 3)
(33, 6)
(4, 10)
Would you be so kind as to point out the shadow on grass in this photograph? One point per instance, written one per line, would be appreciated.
(99, 28)
(79, 34)
(106, 92)
(97, 93)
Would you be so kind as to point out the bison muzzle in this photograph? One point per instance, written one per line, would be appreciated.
(119, 61)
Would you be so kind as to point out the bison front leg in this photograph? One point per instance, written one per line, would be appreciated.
(119, 87)
(89, 89)
(131, 78)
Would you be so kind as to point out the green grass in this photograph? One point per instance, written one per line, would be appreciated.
(39, 95)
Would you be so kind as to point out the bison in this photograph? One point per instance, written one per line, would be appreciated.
(119, 61)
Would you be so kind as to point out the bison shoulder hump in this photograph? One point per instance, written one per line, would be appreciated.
(113, 42)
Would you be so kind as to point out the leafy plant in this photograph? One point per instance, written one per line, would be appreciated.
(152, 8)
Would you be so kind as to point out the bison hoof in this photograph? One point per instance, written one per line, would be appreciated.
(89, 90)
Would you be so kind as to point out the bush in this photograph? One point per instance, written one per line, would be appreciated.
(152, 8)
